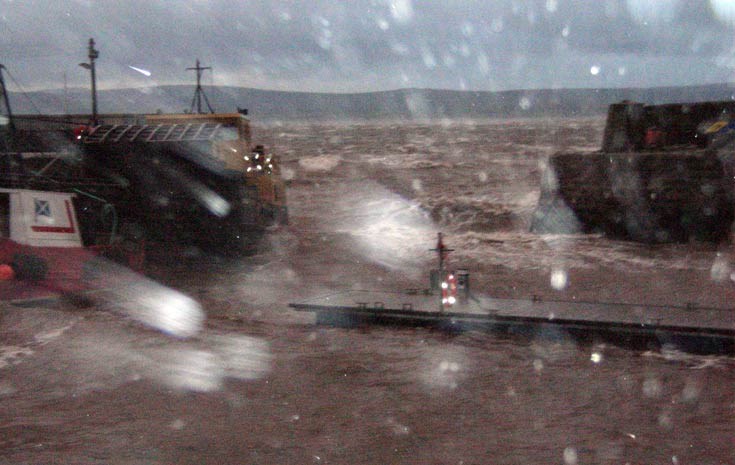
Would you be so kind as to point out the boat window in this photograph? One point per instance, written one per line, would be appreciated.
(227, 133)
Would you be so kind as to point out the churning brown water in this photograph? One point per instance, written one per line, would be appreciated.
(262, 384)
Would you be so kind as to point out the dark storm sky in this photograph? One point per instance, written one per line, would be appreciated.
(363, 45)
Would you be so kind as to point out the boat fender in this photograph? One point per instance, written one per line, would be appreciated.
(6, 272)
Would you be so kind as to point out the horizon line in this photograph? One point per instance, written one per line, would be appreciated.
(400, 89)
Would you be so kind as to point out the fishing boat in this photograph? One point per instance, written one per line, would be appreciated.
(190, 178)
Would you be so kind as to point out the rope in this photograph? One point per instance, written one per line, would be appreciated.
(23, 91)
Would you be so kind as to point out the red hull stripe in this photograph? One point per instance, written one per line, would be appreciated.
(59, 229)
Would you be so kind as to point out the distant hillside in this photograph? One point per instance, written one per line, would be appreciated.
(398, 104)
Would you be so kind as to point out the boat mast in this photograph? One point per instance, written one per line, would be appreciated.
(199, 92)
(442, 251)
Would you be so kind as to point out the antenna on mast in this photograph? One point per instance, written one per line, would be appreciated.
(199, 92)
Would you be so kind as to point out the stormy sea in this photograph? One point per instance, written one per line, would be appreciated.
(255, 382)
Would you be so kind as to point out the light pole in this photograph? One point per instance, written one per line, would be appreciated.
(93, 55)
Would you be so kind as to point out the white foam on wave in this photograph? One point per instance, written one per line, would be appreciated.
(45, 337)
(392, 231)
(12, 355)
(15, 354)
(320, 162)
(692, 361)
(105, 353)
(521, 250)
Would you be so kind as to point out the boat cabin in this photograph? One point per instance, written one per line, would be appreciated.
(38, 218)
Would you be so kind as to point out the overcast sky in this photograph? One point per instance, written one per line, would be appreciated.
(366, 45)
